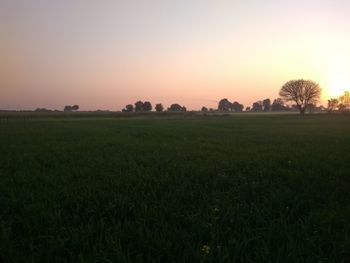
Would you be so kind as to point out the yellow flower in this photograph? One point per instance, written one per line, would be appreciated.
(205, 249)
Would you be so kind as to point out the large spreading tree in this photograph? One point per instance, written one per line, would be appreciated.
(302, 92)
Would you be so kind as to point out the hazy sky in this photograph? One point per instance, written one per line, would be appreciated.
(103, 54)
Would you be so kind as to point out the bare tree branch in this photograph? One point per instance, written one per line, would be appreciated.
(302, 92)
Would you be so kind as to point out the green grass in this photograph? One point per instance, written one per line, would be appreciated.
(244, 188)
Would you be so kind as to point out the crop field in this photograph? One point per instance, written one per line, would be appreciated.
(240, 188)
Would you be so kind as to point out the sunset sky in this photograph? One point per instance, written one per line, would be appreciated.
(104, 54)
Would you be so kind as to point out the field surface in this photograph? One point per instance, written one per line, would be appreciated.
(241, 188)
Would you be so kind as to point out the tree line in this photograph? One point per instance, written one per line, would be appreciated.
(295, 95)
(303, 93)
(340, 104)
(225, 105)
(146, 106)
(258, 106)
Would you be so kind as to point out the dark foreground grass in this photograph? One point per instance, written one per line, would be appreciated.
(202, 189)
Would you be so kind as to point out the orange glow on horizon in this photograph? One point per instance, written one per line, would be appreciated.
(107, 56)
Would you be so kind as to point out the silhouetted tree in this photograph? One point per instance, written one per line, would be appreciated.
(147, 106)
(204, 109)
(75, 107)
(278, 105)
(344, 101)
(236, 106)
(224, 105)
(302, 92)
(266, 105)
(67, 108)
(176, 108)
(128, 108)
(138, 106)
(248, 109)
(332, 105)
(257, 106)
(159, 107)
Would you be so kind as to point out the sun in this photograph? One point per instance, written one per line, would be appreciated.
(338, 82)
(337, 87)
(338, 78)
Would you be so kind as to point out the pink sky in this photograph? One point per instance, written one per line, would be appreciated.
(106, 54)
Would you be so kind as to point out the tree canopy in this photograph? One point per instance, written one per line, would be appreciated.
(302, 92)
(69, 108)
(176, 108)
(147, 106)
(159, 107)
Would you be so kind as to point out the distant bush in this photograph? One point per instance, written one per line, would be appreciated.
(69, 108)
(128, 108)
(177, 108)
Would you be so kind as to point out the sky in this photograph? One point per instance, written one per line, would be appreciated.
(104, 54)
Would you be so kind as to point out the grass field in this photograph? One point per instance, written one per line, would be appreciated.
(241, 188)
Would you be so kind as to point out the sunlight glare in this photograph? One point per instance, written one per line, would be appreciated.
(339, 80)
